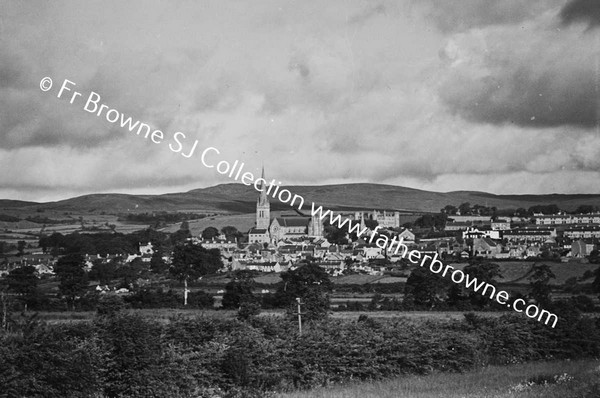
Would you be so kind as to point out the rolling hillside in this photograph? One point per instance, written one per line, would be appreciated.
(238, 198)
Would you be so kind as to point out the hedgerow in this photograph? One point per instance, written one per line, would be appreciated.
(126, 355)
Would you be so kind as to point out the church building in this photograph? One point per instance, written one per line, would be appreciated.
(273, 230)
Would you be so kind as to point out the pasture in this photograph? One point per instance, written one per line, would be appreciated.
(564, 379)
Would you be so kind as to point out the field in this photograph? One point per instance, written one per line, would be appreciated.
(164, 314)
(582, 380)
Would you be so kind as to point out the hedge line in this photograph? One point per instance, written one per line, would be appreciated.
(131, 356)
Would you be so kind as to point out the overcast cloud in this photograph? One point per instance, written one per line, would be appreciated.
(441, 95)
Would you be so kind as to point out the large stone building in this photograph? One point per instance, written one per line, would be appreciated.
(387, 219)
(272, 230)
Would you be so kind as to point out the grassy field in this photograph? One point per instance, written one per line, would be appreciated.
(564, 379)
(164, 314)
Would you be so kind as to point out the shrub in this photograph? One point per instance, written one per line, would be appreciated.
(110, 304)
(248, 309)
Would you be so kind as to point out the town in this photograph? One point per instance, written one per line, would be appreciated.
(462, 235)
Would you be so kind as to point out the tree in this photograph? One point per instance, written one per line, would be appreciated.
(157, 263)
(539, 284)
(73, 278)
(110, 304)
(185, 226)
(23, 281)
(371, 224)
(231, 233)
(437, 221)
(465, 208)
(210, 232)
(180, 236)
(450, 210)
(521, 212)
(21, 245)
(103, 272)
(54, 242)
(191, 261)
(239, 290)
(585, 209)
(311, 284)
(335, 235)
(131, 272)
(596, 282)
(544, 209)
(483, 271)
(424, 288)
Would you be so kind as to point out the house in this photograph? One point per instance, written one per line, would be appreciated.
(266, 267)
(220, 243)
(560, 219)
(481, 232)
(407, 235)
(582, 232)
(501, 225)
(146, 249)
(372, 252)
(486, 247)
(457, 225)
(258, 235)
(469, 218)
(529, 234)
(533, 251)
(582, 247)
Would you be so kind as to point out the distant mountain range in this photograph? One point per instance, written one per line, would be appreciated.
(238, 198)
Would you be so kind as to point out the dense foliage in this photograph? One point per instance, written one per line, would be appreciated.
(100, 243)
(121, 355)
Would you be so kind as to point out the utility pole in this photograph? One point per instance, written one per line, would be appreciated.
(299, 316)
(185, 292)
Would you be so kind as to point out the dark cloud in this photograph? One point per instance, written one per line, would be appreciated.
(587, 11)
(523, 98)
(453, 16)
(535, 77)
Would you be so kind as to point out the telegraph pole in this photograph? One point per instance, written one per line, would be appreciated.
(299, 316)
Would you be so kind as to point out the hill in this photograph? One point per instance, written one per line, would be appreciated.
(238, 198)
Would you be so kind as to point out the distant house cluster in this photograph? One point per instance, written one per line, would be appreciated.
(574, 235)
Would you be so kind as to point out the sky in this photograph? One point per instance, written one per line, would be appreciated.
(501, 96)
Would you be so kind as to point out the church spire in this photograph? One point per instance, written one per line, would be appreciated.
(263, 200)
(263, 207)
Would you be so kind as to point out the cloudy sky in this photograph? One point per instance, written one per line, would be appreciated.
(499, 96)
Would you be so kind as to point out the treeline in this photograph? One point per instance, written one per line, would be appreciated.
(161, 217)
(121, 355)
(100, 243)
(35, 219)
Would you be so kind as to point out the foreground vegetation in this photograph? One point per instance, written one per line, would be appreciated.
(557, 379)
(119, 354)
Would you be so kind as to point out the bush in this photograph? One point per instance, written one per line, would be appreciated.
(127, 355)
(248, 309)
(110, 304)
(149, 298)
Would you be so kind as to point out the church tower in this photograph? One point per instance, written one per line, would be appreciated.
(315, 227)
(263, 207)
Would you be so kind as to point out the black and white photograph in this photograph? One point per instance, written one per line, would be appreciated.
(298, 199)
